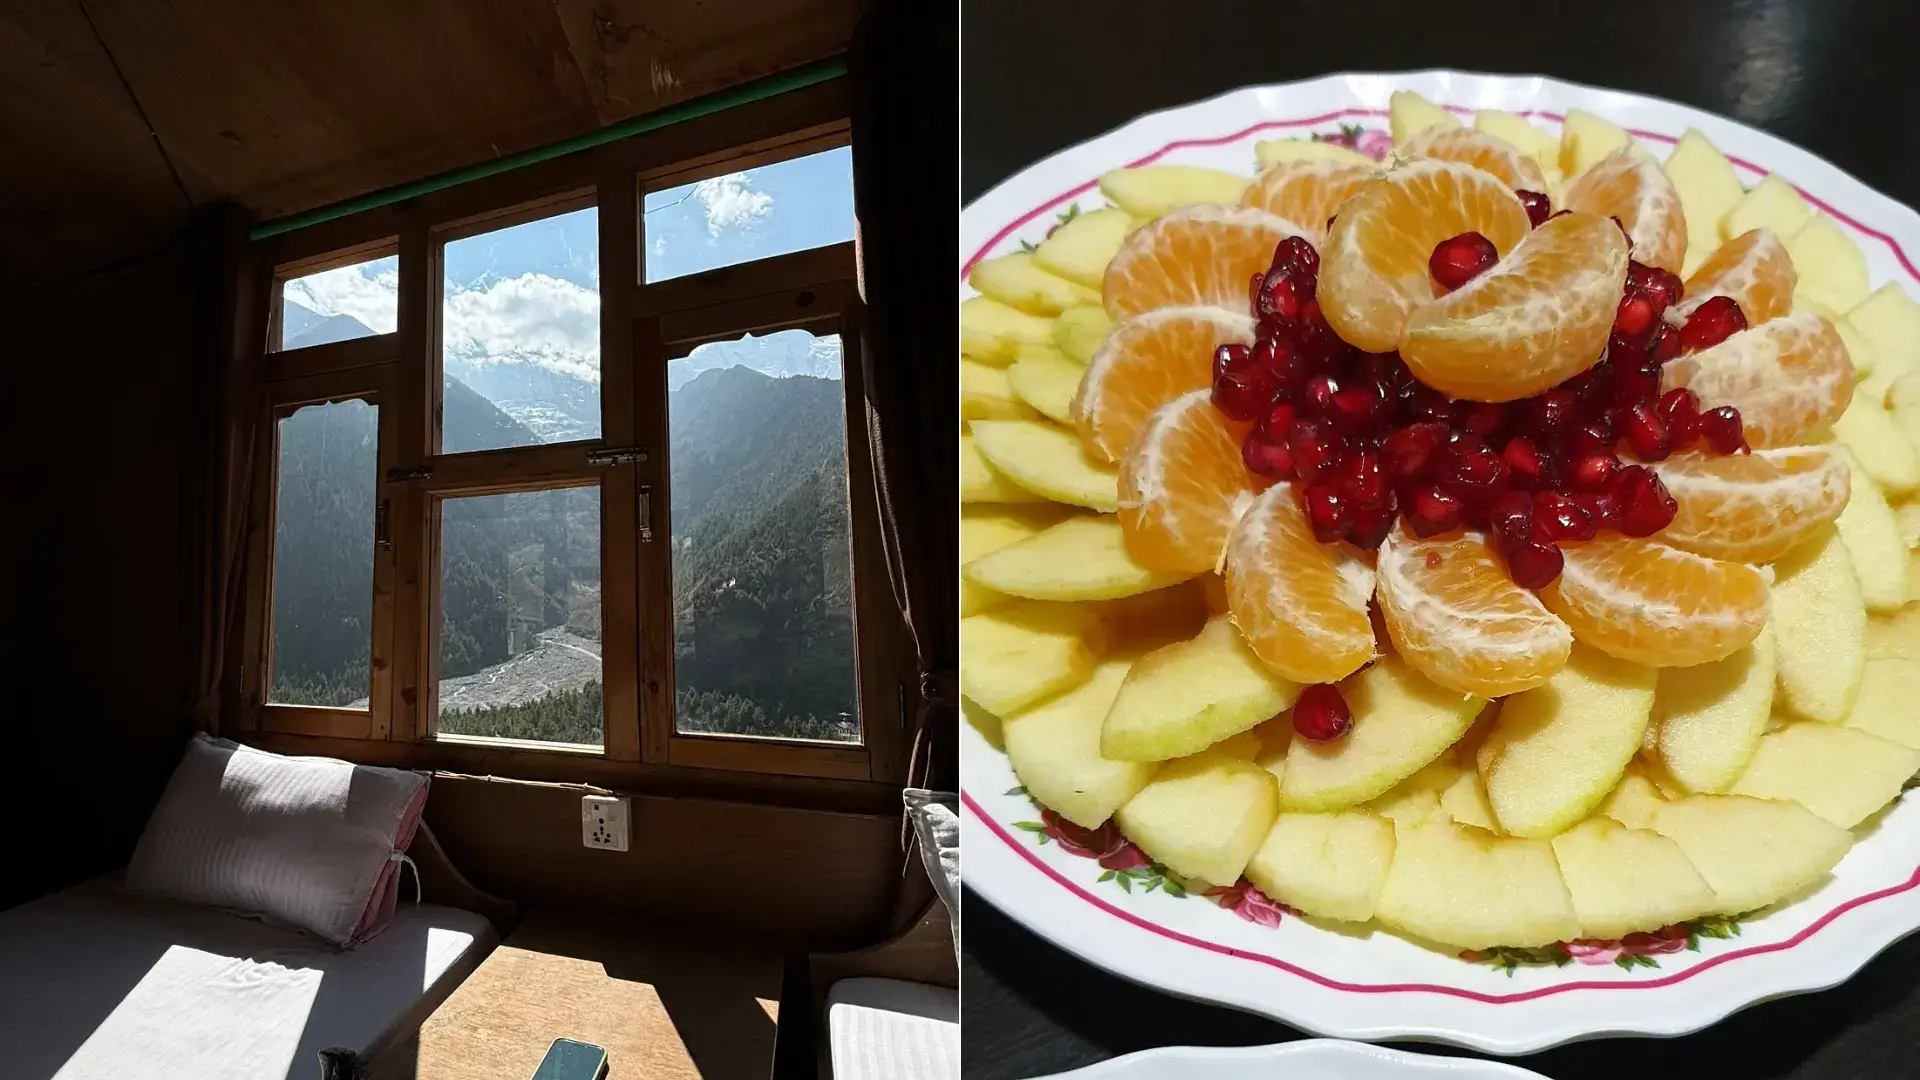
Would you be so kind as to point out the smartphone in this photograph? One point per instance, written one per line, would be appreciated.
(570, 1060)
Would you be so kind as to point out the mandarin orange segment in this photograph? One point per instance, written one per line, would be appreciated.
(1457, 617)
(1629, 184)
(1307, 193)
(1538, 318)
(1183, 485)
(1197, 256)
(1654, 604)
(1373, 267)
(1146, 362)
(1753, 507)
(1301, 604)
(1488, 153)
(1789, 377)
(1754, 269)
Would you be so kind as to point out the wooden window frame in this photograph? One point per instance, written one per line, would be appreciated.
(640, 323)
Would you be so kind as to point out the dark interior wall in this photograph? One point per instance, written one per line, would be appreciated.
(101, 371)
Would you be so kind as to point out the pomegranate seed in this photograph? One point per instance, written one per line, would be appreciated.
(1422, 402)
(1470, 466)
(1534, 565)
(1561, 517)
(1317, 451)
(1552, 412)
(1321, 714)
(1431, 511)
(1296, 254)
(1283, 358)
(1646, 432)
(1357, 407)
(1595, 472)
(1593, 437)
(1408, 452)
(1604, 508)
(1279, 299)
(1241, 395)
(1484, 418)
(1329, 512)
(1371, 524)
(1362, 478)
(1665, 343)
(1634, 383)
(1267, 456)
(1646, 506)
(1634, 316)
(1721, 428)
(1318, 394)
(1278, 421)
(1385, 370)
(1712, 323)
(1524, 462)
(1231, 357)
(1459, 259)
(1510, 515)
(1680, 408)
(1558, 213)
(1538, 207)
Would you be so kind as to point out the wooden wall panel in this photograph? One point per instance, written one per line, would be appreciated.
(802, 875)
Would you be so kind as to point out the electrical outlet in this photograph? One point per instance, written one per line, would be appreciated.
(603, 822)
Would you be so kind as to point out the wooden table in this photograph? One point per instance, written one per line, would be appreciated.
(667, 1002)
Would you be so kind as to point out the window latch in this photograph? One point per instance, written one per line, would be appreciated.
(607, 457)
(403, 475)
(382, 534)
(646, 515)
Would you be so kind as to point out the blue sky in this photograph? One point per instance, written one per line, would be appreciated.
(533, 290)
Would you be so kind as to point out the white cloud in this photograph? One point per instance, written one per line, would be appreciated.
(370, 292)
(659, 246)
(732, 203)
(532, 318)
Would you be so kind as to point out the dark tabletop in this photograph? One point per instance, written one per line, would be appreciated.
(1833, 76)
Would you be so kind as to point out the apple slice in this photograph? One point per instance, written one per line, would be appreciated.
(1883, 449)
(1890, 321)
(1708, 719)
(1585, 139)
(1330, 866)
(1885, 704)
(1537, 143)
(1080, 331)
(1897, 637)
(991, 332)
(1820, 621)
(1055, 751)
(1183, 698)
(1635, 800)
(1417, 798)
(1152, 620)
(985, 394)
(1770, 204)
(1559, 748)
(1027, 651)
(1467, 888)
(1874, 544)
(1707, 185)
(1082, 558)
(1844, 774)
(1753, 852)
(1044, 379)
(1465, 801)
(1080, 249)
(1049, 461)
(1828, 263)
(1409, 114)
(1903, 400)
(1018, 282)
(1856, 345)
(982, 483)
(1202, 817)
(1152, 190)
(1401, 721)
(1626, 880)
(985, 530)
(1907, 517)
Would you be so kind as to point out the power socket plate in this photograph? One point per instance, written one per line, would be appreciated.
(603, 822)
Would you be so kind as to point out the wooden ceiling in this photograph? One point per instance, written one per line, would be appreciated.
(293, 104)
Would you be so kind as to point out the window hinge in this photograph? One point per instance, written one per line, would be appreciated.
(610, 456)
(382, 534)
(415, 472)
(644, 499)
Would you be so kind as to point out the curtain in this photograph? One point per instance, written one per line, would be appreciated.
(232, 392)
(904, 67)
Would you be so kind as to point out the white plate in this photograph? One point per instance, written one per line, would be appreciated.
(1308, 1059)
(1376, 986)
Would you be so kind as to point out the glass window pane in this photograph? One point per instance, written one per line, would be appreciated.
(520, 335)
(519, 617)
(328, 473)
(792, 205)
(762, 569)
(336, 305)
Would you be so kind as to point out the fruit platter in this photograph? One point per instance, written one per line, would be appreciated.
(1441, 559)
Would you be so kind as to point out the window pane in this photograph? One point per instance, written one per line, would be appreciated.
(520, 335)
(762, 570)
(792, 205)
(519, 619)
(335, 305)
(328, 472)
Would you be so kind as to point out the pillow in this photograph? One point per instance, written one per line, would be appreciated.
(937, 825)
(311, 842)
